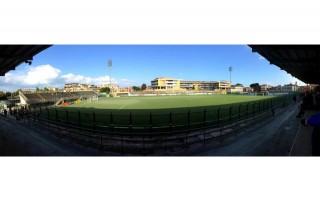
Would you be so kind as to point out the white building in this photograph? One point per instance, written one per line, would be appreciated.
(265, 87)
(53, 89)
(236, 89)
(113, 87)
(287, 88)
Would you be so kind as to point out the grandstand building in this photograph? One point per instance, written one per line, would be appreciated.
(165, 83)
(56, 98)
(198, 85)
(223, 84)
(204, 85)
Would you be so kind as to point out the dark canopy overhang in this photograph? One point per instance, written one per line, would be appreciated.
(301, 61)
(12, 56)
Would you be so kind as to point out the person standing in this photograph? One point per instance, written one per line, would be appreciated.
(314, 121)
(307, 104)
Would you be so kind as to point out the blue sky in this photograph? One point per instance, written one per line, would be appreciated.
(137, 64)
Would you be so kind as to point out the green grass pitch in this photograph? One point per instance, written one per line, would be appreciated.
(155, 110)
(166, 102)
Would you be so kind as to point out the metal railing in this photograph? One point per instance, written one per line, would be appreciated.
(152, 136)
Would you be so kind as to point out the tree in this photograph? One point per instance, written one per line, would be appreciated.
(8, 94)
(135, 88)
(37, 89)
(143, 86)
(256, 87)
(2, 95)
(16, 93)
(105, 90)
(46, 89)
(239, 85)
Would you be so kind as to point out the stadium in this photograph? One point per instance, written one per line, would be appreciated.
(147, 124)
(172, 118)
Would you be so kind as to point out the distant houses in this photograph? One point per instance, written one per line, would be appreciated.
(73, 87)
(223, 86)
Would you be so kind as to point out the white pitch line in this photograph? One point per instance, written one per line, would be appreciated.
(124, 105)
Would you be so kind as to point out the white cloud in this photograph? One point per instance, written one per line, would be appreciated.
(35, 75)
(69, 78)
(76, 78)
(47, 75)
(29, 77)
(40, 75)
(261, 57)
(102, 80)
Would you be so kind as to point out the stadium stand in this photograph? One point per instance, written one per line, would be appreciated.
(55, 97)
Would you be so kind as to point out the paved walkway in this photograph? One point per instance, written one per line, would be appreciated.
(17, 139)
(274, 137)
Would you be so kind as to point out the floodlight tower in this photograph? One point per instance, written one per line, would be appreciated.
(110, 66)
(230, 70)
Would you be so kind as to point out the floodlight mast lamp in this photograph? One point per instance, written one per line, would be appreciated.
(230, 70)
